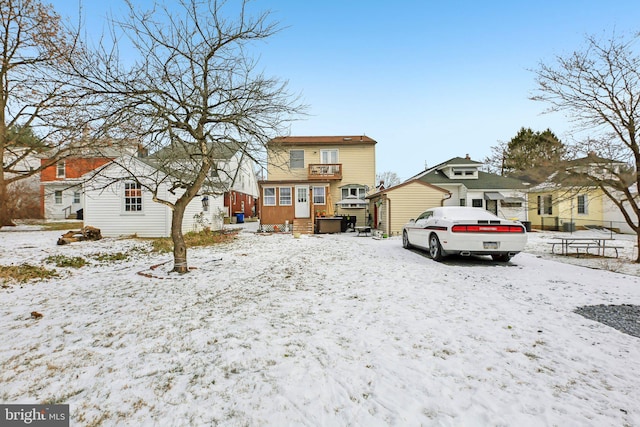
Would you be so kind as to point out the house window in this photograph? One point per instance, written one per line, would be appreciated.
(76, 197)
(132, 197)
(58, 197)
(205, 203)
(548, 205)
(476, 203)
(269, 196)
(463, 202)
(285, 196)
(328, 156)
(545, 205)
(358, 192)
(60, 169)
(296, 159)
(319, 195)
(457, 173)
(582, 204)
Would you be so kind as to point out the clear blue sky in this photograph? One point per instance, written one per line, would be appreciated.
(429, 80)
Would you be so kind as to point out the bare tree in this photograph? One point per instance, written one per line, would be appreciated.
(192, 92)
(388, 178)
(599, 89)
(494, 163)
(43, 114)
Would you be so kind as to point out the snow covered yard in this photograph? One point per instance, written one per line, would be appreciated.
(320, 330)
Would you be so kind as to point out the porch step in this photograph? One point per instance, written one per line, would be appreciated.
(303, 226)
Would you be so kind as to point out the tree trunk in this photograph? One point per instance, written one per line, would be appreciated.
(638, 246)
(5, 216)
(179, 246)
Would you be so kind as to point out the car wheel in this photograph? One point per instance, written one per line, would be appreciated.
(435, 250)
(405, 240)
(501, 257)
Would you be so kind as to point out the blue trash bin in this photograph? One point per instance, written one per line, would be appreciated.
(240, 217)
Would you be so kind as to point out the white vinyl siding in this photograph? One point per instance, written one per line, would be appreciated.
(103, 208)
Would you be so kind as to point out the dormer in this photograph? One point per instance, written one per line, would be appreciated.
(460, 168)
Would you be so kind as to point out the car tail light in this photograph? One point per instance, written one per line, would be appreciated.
(487, 229)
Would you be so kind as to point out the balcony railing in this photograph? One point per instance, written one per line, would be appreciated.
(325, 171)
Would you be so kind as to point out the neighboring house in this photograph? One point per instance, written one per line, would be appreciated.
(565, 202)
(309, 177)
(394, 206)
(470, 186)
(61, 184)
(242, 186)
(119, 206)
(233, 172)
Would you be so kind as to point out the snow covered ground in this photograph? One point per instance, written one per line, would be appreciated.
(332, 330)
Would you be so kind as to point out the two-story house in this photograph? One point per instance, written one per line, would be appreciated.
(310, 177)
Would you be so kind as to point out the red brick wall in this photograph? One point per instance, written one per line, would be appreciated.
(234, 199)
(75, 167)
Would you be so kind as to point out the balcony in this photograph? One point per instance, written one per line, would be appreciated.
(325, 171)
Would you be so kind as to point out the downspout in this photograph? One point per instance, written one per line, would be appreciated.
(445, 197)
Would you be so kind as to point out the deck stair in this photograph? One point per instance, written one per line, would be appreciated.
(303, 225)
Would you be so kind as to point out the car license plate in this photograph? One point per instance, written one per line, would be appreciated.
(490, 245)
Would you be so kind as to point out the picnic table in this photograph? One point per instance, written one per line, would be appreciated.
(574, 244)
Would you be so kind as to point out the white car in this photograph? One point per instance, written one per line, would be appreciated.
(460, 230)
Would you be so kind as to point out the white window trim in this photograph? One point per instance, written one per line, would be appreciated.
(124, 200)
(55, 197)
(265, 197)
(280, 196)
(61, 165)
(333, 150)
(361, 192)
(324, 196)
